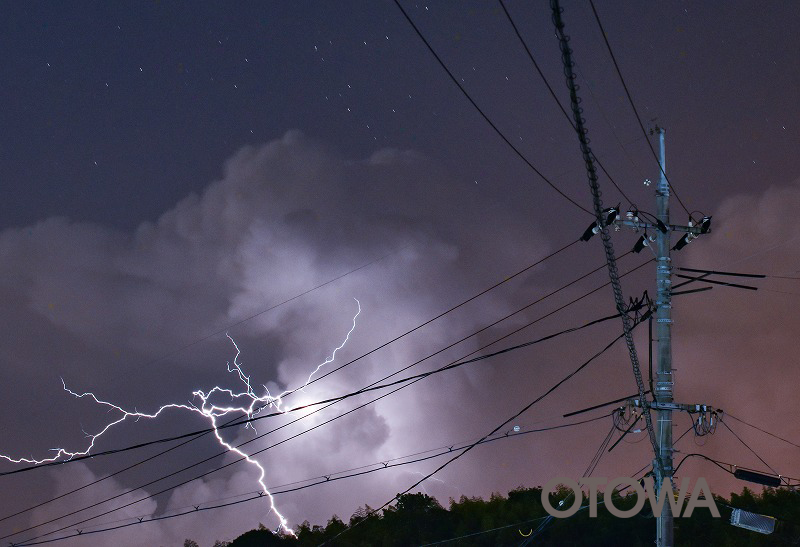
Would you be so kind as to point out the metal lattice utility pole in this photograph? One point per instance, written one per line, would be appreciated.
(664, 380)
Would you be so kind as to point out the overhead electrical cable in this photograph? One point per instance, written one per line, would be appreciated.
(329, 400)
(285, 425)
(540, 518)
(262, 312)
(691, 428)
(705, 279)
(319, 480)
(495, 430)
(566, 57)
(442, 314)
(309, 405)
(611, 127)
(731, 467)
(239, 421)
(601, 405)
(197, 434)
(483, 440)
(517, 524)
(441, 451)
(593, 463)
(729, 415)
(706, 273)
(473, 534)
(601, 450)
(180, 349)
(716, 272)
(722, 421)
(555, 97)
(484, 115)
(633, 106)
(395, 339)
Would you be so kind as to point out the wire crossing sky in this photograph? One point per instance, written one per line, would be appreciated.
(184, 175)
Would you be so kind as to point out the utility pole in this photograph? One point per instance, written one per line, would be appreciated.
(657, 236)
(664, 379)
(661, 229)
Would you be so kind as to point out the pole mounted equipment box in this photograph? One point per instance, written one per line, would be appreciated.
(752, 521)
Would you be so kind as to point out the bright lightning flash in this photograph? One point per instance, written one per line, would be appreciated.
(429, 478)
(211, 411)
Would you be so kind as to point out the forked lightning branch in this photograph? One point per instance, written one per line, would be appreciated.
(218, 402)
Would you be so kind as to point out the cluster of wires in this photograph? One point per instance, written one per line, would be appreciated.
(641, 308)
(566, 57)
(636, 311)
(704, 422)
(74, 525)
(738, 471)
(625, 417)
(595, 461)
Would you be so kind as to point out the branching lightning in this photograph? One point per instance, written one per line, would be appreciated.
(422, 485)
(201, 404)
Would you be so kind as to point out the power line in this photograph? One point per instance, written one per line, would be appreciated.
(601, 405)
(484, 115)
(781, 292)
(262, 312)
(716, 272)
(730, 466)
(335, 399)
(748, 447)
(691, 428)
(520, 272)
(443, 451)
(292, 422)
(566, 58)
(104, 477)
(515, 525)
(704, 279)
(495, 430)
(234, 421)
(729, 415)
(601, 450)
(170, 354)
(610, 125)
(764, 250)
(331, 477)
(502, 351)
(554, 96)
(593, 463)
(548, 518)
(755, 276)
(315, 427)
(305, 431)
(633, 106)
(80, 532)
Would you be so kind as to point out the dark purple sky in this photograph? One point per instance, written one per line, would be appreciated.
(172, 168)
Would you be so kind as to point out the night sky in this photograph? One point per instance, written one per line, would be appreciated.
(170, 169)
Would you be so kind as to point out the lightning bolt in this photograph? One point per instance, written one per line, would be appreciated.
(209, 410)
(431, 478)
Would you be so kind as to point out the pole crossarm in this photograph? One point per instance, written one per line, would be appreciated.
(664, 405)
(644, 225)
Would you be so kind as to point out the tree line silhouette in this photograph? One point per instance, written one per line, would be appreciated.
(418, 519)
